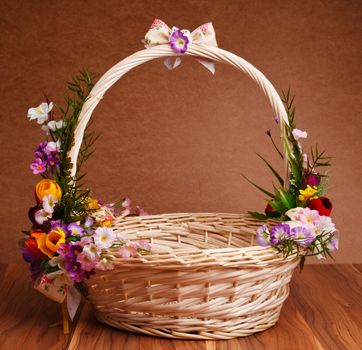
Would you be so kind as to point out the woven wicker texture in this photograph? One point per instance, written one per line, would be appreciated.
(206, 281)
(207, 278)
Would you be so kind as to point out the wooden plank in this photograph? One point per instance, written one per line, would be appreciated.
(25, 315)
(329, 298)
(90, 334)
(323, 311)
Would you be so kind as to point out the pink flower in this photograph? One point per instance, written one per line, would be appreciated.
(126, 203)
(105, 264)
(128, 250)
(144, 245)
(141, 212)
(299, 134)
(86, 261)
(38, 166)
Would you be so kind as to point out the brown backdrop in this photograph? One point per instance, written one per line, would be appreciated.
(179, 140)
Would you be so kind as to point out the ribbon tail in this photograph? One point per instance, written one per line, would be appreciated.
(208, 64)
(172, 62)
(73, 301)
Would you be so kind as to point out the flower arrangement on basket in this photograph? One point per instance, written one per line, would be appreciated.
(72, 237)
(70, 230)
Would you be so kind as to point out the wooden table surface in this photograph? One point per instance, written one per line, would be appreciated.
(323, 311)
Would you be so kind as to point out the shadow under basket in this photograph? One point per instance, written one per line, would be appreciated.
(207, 279)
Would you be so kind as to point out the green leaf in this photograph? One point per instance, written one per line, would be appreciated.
(279, 178)
(258, 187)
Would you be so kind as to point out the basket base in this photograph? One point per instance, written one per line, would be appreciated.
(190, 328)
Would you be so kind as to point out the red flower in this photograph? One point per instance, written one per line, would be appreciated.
(269, 209)
(32, 246)
(322, 204)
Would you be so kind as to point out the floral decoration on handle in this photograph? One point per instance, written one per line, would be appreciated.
(160, 33)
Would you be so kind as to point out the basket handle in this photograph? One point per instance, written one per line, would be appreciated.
(213, 53)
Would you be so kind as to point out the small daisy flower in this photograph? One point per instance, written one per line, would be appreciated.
(103, 237)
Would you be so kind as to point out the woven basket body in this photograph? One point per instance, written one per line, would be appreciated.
(207, 278)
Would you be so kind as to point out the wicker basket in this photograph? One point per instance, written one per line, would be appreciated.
(207, 279)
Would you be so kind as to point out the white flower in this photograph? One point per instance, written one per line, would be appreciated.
(299, 134)
(91, 251)
(293, 214)
(40, 113)
(53, 146)
(103, 237)
(325, 224)
(41, 216)
(49, 202)
(53, 126)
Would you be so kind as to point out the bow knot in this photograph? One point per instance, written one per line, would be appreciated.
(160, 33)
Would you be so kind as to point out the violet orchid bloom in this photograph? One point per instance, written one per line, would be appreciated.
(38, 166)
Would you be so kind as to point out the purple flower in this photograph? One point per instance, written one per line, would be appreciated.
(279, 232)
(59, 224)
(276, 119)
(34, 266)
(74, 270)
(334, 243)
(43, 145)
(179, 41)
(312, 180)
(75, 249)
(52, 161)
(75, 229)
(63, 251)
(262, 236)
(268, 132)
(301, 235)
(88, 223)
(38, 166)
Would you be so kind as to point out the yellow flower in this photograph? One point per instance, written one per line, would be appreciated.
(46, 187)
(49, 243)
(92, 203)
(308, 193)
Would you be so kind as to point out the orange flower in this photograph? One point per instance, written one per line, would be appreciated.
(46, 187)
(49, 243)
(31, 244)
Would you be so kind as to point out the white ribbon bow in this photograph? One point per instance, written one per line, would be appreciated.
(160, 33)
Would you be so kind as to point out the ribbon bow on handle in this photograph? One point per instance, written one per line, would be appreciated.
(160, 33)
